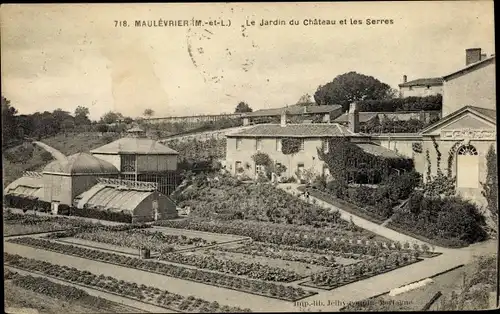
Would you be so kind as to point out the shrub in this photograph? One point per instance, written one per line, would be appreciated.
(451, 219)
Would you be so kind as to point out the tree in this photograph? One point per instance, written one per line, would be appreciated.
(305, 100)
(242, 107)
(490, 187)
(82, 115)
(149, 112)
(9, 125)
(351, 87)
(128, 120)
(111, 117)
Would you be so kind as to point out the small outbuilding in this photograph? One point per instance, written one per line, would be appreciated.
(140, 200)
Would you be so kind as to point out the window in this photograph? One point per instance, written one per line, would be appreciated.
(127, 163)
(301, 144)
(467, 150)
(467, 167)
(258, 144)
(238, 167)
(325, 145)
(238, 143)
(278, 145)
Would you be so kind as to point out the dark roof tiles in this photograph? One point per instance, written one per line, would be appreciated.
(295, 130)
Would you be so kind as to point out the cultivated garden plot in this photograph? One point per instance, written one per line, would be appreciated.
(130, 241)
(253, 286)
(19, 224)
(146, 294)
(25, 290)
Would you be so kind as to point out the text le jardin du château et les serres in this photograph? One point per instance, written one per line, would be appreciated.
(249, 22)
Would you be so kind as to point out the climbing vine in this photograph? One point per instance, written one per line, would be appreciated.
(440, 184)
(429, 170)
(490, 187)
(290, 146)
(451, 157)
(261, 159)
(348, 162)
(417, 147)
(438, 154)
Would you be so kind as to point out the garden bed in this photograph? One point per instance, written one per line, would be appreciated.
(257, 287)
(346, 206)
(437, 242)
(343, 279)
(143, 293)
(309, 257)
(26, 224)
(59, 293)
(282, 234)
(256, 267)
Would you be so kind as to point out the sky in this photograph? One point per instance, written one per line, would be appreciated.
(64, 56)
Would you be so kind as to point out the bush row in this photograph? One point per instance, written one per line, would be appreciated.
(37, 205)
(427, 103)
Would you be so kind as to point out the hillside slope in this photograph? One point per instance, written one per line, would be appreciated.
(28, 157)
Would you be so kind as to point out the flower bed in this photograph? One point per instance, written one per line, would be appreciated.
(19, 224)
(344, 275)
(284, 253)
(217, 279)
(157, 241)
(224, 197)
(252, 270)
(70, 294)
(348, 207)
(142, 293)
(297, 236)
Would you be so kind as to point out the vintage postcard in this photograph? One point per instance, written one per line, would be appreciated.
(249, 157)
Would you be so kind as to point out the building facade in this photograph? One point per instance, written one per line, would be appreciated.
(473, 85)
(421, 87)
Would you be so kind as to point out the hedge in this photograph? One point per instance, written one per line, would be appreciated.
(427, 103)
(37, 205)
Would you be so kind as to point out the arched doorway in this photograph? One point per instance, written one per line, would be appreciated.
(467, 167)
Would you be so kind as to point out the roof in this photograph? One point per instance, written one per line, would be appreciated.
(81, 163)
(377, 150)
(294, 110)
(363, 117)
(136, 129)
(295, 130)
(470, 67)
(487, 114)
(490, 113)
(112, 198)
(26, 187)
(140, 146)
(430, 81)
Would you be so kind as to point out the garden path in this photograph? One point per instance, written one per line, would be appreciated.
(182, 287)
(135, 305)
(361, 222)
(376, 285)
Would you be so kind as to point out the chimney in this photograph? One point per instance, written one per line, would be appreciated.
(353, 118)
(405, 78)
(472, 55)
(283, 118)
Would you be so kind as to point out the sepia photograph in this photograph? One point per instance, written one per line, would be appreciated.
(249, 157)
